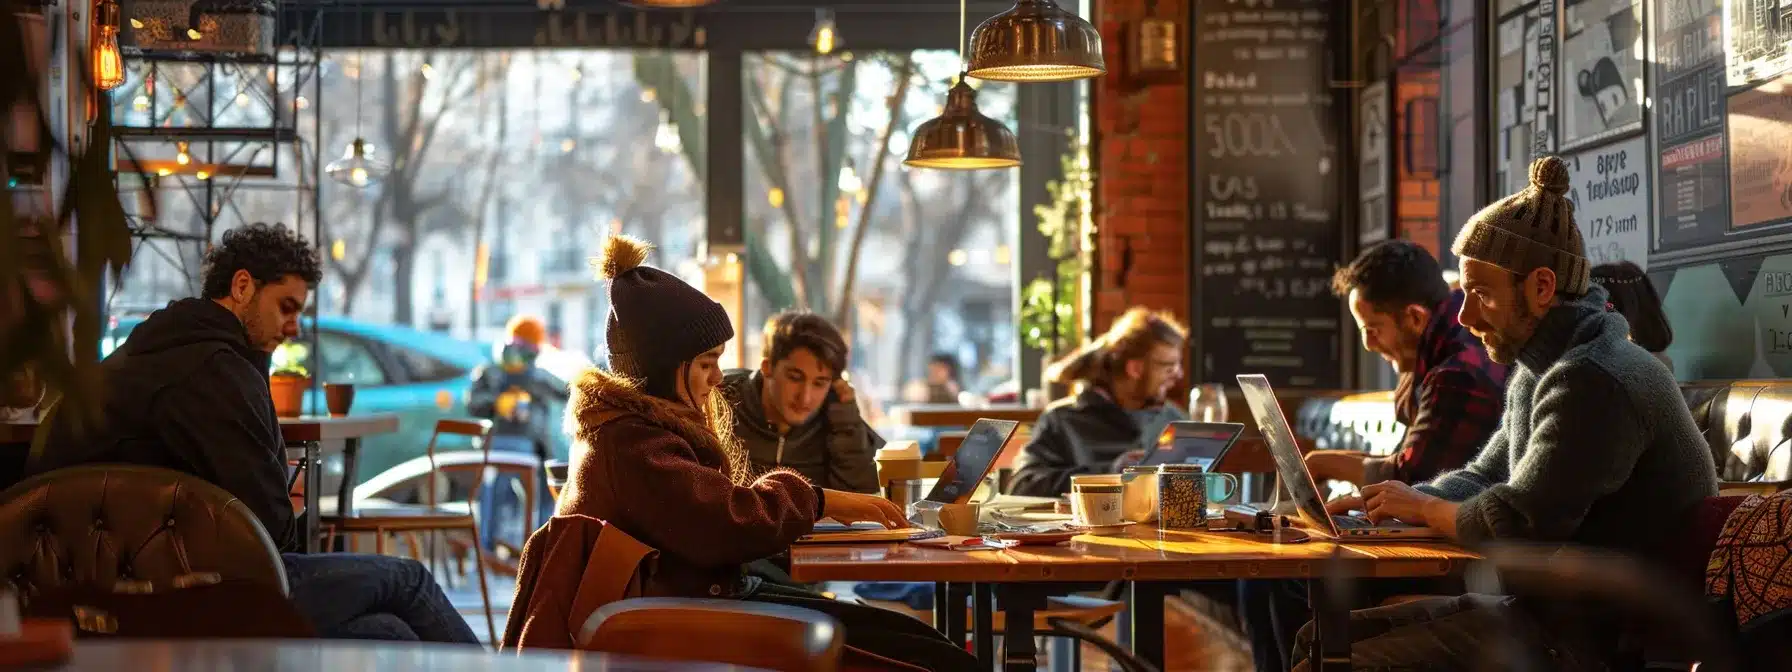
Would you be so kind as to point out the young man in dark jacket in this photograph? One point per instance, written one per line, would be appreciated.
(797, 412)
(188, 391)
(1126, 375)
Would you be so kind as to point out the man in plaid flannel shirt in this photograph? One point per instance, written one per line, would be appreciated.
(1450, 393)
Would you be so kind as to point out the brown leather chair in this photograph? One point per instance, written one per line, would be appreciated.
(96, 525)
(736, 632)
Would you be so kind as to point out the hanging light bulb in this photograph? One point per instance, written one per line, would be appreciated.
(357, 167)
(849, 179)
(1036, 41)
(108, 64)
(666, 138)
(181, 156)
(825, 36)
(961, 138)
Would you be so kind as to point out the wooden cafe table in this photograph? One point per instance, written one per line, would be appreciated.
(305, 437)
(1153, 562)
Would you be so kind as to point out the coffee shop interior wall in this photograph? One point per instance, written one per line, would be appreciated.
(1675, 117)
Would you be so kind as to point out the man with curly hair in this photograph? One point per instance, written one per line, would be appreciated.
(188, 390)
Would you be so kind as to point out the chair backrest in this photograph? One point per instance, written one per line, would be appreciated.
(99, 524)
(477, 429)
(734, 632)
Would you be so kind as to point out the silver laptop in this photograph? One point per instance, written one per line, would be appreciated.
(967, 468)
(1299, 482)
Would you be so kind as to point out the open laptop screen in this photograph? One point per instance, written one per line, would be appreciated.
(973, 461)
(1197, 443)
(1289, 465)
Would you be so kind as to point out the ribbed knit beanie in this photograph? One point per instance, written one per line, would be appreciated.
(1531, 229)
(656, 321)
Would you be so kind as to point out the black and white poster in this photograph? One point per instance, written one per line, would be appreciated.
(1692, 179)
(1602, 70)
(1759, 36)
(1372, 164)
(1524, 100)
(1609, 186)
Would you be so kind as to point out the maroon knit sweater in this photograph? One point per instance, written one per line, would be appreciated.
(653, 469)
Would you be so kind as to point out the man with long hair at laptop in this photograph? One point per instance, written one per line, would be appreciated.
(1126, 375)
(654, 459)
(1595, 447)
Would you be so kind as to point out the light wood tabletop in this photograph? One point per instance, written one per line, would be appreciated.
(335, 428)
(1142, 553)
(312, 655)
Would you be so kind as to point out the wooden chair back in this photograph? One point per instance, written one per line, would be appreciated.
(479, 430)
(731, 632)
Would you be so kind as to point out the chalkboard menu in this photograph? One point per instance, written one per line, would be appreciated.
(1266, 201)
(1693, 190)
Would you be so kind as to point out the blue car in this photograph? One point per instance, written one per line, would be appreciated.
(420, 376)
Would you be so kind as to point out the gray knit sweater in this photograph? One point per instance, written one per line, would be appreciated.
(1596, 445)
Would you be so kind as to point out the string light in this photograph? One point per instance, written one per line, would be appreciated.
(825, 36)
(181, 156)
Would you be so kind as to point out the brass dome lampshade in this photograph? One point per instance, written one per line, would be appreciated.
(961, 138)
(1036, 41)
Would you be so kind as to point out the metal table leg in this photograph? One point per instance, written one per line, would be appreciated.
(1019, 602)
(1146, 609)
(940, 604)
(1331, 627)
(345, 491)
(983, 632)
(313, 483)
(956, 594)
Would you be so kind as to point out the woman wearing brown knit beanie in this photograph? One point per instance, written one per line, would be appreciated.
(654, 458)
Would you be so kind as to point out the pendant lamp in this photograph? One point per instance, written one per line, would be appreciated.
(357, 167)
(961, 138)
(1036, 41)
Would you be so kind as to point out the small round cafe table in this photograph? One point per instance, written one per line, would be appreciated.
(249, 655)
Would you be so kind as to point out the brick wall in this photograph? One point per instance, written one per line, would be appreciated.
(1142, 178)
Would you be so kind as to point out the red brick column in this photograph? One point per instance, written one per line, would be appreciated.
(1142, 178)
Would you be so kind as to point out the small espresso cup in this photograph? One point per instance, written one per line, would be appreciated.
(339, 397)
(960, 520)
(556, 477)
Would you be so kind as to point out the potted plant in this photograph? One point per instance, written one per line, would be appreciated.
(288, 380)
(1051, 311)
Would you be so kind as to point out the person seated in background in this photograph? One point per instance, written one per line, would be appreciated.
(1449, 398)
(1595, 446)
(1120, 411)
(1634, 297)
(188, 390)
(942, 379)
(654, 460)
(1450, 393)
(518, 397)
(797, 411)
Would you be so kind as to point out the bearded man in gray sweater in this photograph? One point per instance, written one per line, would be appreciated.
(1595, 446)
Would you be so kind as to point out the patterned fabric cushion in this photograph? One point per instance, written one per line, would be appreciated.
(1748, 564)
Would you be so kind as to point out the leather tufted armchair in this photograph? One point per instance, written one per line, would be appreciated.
(100, 524)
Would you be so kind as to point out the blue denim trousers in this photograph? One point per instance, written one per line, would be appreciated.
(353, 596)
(501, 499)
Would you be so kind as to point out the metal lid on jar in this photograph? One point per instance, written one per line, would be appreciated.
(1137, 469)
(1181, 468)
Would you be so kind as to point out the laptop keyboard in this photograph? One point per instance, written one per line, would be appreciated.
(1357, 522)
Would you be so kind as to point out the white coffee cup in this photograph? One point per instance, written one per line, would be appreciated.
(1097, 504)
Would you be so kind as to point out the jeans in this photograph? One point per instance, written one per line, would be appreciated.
(501, 499)
(1273, 611)
(1466, 632)
(352, 596)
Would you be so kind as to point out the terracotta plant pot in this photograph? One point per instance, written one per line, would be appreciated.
(289, 394)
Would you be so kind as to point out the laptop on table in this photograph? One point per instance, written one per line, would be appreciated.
(1291, 468)
(1202, 444)
(965, 471)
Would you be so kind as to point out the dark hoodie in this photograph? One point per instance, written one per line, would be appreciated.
(834, 449)
(186, 392)
(1084, 434)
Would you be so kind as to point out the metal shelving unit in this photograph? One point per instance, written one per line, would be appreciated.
(207, 141)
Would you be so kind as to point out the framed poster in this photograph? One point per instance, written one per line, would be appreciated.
(1759, 34)
(1609, 186)
(1760, 131)
(1524, 125)
(1372, 163)
(1602, 70)
(1692, 180)
(1508, 6)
